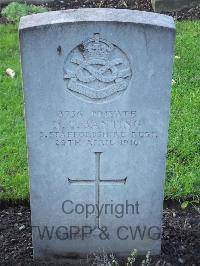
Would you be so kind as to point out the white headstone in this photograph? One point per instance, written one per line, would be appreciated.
(97, 86)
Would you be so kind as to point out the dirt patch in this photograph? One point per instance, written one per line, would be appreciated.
(143, 5)
(180, 240)
(129, 4)
(186, 14)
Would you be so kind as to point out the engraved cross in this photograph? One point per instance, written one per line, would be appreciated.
(97, 182)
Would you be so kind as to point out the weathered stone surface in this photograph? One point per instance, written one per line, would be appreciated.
(97, 86)
(172, 5)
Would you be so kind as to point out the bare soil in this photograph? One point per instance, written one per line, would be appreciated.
(180, 239)
(143, 5)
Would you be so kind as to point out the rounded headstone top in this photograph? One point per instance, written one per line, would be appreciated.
(96, 15)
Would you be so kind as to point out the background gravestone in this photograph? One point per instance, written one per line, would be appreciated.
(97, 85)
(172, 5)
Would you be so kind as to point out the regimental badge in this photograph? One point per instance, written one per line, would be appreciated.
(97, 70)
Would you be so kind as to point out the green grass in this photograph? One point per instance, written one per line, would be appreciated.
(13, 162)
(183, 176)
(183, 164)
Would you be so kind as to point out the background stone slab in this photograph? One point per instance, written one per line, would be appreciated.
(172, 5)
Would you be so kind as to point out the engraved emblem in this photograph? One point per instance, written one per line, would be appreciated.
(97, 70)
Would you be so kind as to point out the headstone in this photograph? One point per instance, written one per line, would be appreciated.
(173, 5)
(97, 86)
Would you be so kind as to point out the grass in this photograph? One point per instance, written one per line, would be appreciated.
(183, 160)
(13, 162)
(183, 171)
